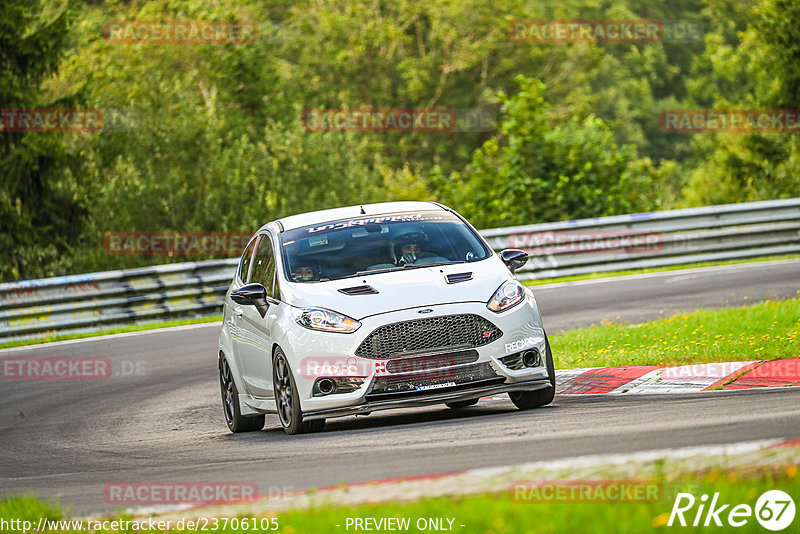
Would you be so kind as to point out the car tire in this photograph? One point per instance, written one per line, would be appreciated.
(230, 403)
(461, 404)
(287, 401)
(525, 400)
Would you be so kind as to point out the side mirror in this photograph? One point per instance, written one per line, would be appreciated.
(514, 258)
(252, 295)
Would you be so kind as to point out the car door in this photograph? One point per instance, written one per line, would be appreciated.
(234, 311)
(255, 339)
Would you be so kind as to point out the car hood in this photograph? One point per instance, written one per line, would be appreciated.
(398, 290)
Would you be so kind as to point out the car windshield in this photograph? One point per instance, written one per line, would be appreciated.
(367, 245)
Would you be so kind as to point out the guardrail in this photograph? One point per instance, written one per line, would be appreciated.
(96, 301)
(656, 239)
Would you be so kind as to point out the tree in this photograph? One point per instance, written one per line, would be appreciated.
(755, 166)
(538, 170)
(41, 210)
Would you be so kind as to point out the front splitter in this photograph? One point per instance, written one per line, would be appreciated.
(439, 398)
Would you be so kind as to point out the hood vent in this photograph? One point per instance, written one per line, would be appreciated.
(458, 277)
(359, 290)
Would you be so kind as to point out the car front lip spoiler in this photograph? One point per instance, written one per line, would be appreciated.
(440, 398)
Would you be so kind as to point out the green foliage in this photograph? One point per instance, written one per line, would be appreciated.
(766, 71)
(41, 213)
(778, 33)
(191, 151)
(538, 170)
(204, 137)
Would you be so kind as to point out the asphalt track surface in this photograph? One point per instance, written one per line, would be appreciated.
(159, 417)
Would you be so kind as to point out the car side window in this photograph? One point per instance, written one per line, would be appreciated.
(264, 264)
(244, 266)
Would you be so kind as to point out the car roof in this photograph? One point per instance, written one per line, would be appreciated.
(382, 208)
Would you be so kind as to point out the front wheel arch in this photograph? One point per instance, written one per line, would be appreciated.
(287, 398)
(525, 400)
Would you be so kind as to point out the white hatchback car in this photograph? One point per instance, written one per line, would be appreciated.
(351, 310)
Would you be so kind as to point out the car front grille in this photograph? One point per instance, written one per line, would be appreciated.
(432, 333)
(439, 381)
(434, 361)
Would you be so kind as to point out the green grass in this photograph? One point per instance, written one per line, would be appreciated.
(498, 514)
(611, 274)
(119, 330)
(28, 507)
(768, 330)
(501, 513)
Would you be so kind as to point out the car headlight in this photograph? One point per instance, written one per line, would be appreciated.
(327, 321)
(508, 295)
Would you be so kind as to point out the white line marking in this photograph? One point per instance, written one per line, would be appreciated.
(500, 478)
(38, 346)
(717, 268)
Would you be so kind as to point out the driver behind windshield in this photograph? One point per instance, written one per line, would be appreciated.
(304, 273)
(411, 247)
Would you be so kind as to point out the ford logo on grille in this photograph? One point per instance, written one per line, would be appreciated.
(426, 310)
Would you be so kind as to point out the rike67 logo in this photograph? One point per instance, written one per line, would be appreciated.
(774, 510)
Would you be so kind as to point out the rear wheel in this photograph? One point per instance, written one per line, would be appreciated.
(230, 403)
(525, 400)
(287, 399)
(461, 404)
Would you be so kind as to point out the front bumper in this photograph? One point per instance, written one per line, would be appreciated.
(521, 330)
(473, 392)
